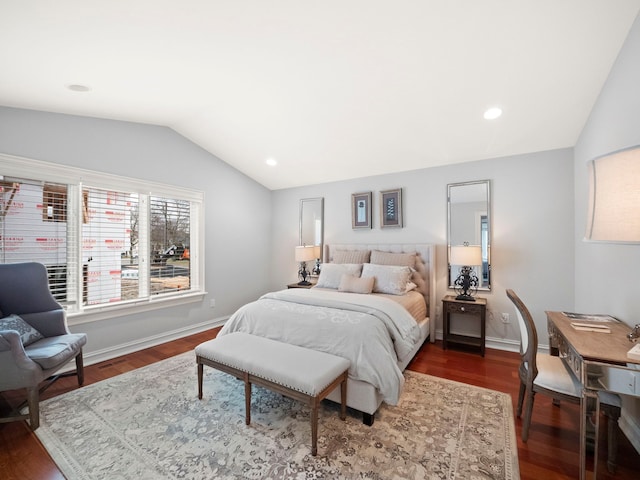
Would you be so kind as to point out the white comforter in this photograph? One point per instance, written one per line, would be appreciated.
(372, 332)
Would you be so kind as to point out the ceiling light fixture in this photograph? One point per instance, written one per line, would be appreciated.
(76, 87)
(271, 162)
(492, 113)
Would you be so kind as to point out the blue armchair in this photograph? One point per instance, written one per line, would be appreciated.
(34, 339)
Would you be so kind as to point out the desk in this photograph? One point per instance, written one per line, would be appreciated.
(600, 362)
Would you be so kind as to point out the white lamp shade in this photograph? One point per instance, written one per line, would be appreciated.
(465, 256)
(317, 251)
(614, 197)
(305, 253)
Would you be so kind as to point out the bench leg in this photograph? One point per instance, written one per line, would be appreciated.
(343, 400)
(247, 399)
(314, 427)
(200, 372)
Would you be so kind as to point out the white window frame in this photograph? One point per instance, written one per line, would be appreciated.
(75, 178)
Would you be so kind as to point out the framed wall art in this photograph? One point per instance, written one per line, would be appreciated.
(361, 210)
(391, 208)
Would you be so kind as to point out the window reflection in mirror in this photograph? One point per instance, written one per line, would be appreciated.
(312, 222)
(469, 223)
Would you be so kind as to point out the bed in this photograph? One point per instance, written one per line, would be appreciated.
(380, 332)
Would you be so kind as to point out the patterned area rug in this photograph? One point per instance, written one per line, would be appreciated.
(149, 424)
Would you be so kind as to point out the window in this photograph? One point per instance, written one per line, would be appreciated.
(54, 203)
(108, 242)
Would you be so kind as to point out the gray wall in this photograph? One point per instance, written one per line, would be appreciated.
(237, 211)
(532, 222)
(606, 275)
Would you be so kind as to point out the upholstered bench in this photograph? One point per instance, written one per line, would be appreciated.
(298, 373)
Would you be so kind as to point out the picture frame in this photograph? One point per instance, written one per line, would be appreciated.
(361, 210)
(391, 208)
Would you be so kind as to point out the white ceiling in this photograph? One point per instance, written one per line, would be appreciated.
(331, 89)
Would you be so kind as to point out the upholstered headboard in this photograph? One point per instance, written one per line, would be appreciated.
(425, 269)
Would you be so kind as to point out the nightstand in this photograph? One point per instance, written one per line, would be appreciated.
(462, 307)
(295, 285)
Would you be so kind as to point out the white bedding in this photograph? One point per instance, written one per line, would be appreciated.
(373, 332)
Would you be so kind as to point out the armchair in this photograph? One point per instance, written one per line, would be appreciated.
(34, 339)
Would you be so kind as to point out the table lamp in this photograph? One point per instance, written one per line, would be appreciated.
(303, 255)
(466, 257)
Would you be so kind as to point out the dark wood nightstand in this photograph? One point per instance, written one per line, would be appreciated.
(295, 285)
(461, 307)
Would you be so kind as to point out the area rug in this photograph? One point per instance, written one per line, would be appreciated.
(149, 424)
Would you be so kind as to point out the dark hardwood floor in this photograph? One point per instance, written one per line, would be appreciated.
(550, 453)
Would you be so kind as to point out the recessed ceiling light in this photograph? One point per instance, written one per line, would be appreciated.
(492, 113)
(76, 87)
(271, 162)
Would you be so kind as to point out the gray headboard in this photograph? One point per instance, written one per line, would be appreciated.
(425, 268)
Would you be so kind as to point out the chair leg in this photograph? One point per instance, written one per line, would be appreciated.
(33, 397)
(528, 409)
(523, 389)
(80, 368)
(613, 414)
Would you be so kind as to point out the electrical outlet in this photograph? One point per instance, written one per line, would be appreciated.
(505, 318)
(212, 303)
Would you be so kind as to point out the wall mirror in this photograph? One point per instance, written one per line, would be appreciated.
(469, 223)
(312, 222)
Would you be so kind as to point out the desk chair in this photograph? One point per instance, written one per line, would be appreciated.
(547, 374)
(34, 339)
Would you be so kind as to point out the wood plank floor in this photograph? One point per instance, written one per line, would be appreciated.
(550, 453)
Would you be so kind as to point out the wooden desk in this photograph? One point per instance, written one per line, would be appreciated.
(600, 362)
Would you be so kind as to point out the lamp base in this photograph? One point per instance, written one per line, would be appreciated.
(304, 283)
(466, 298)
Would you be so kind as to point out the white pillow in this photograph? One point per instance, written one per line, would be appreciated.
(331, 273)
(389, 279)
(411, 286)
(352, 284)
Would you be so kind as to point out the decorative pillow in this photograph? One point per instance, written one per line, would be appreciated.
(351, 256)
(28, 334)
(349, 283)
(411, 286)
(390, 258)
(389, 278)
(331, 273)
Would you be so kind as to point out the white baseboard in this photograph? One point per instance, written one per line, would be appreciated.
(497, 343)
(142, 343)
(503, 344)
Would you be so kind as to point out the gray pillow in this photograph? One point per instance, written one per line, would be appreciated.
(28, 334)
(351, 256)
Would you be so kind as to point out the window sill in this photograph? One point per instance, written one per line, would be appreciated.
(103, 312)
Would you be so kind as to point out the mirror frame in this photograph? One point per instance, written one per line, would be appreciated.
(317, 202)
(484, 285)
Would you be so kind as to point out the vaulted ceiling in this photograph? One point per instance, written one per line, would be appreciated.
(330, 90)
